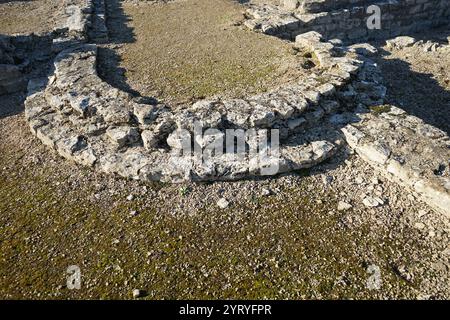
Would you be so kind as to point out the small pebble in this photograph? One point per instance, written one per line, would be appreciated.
(359, 180)
(327, 179)
(419, 225)
(372, 202)
(422, 213)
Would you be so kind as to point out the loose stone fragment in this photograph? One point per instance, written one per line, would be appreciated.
(145, 113)
(400, 42)
(343, 206)
(137, 293)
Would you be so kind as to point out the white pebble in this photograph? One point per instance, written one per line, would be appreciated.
(223, 203)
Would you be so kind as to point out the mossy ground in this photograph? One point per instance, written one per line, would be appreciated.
(377, 110)
(187, 50)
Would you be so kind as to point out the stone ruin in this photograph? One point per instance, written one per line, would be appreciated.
(346, 19)
(75, 112)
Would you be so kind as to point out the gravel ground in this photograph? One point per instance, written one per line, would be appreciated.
(23, 17)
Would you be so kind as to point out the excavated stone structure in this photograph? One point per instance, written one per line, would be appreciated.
(83, 118)
(87, 120)
(347, 19)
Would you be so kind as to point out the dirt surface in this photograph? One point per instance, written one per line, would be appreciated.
(279, 238)
(193, 49)
(419, 81)
(29, 16)
(301, 236)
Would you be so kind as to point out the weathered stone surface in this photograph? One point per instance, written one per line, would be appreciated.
(261, 116)
(364, 49)
(76, 23)
(77, 147)
(375, 152)
(179, 139)
(290, 4)
(145, 113)
(308, 40)
(150, 139)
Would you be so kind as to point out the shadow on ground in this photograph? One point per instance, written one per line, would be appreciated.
(117, 22)
(419, 94)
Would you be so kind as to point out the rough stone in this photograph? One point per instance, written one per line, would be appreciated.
(400, 42)
(223, 203)
(137, 293)
(372, 202)
(145, 113)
